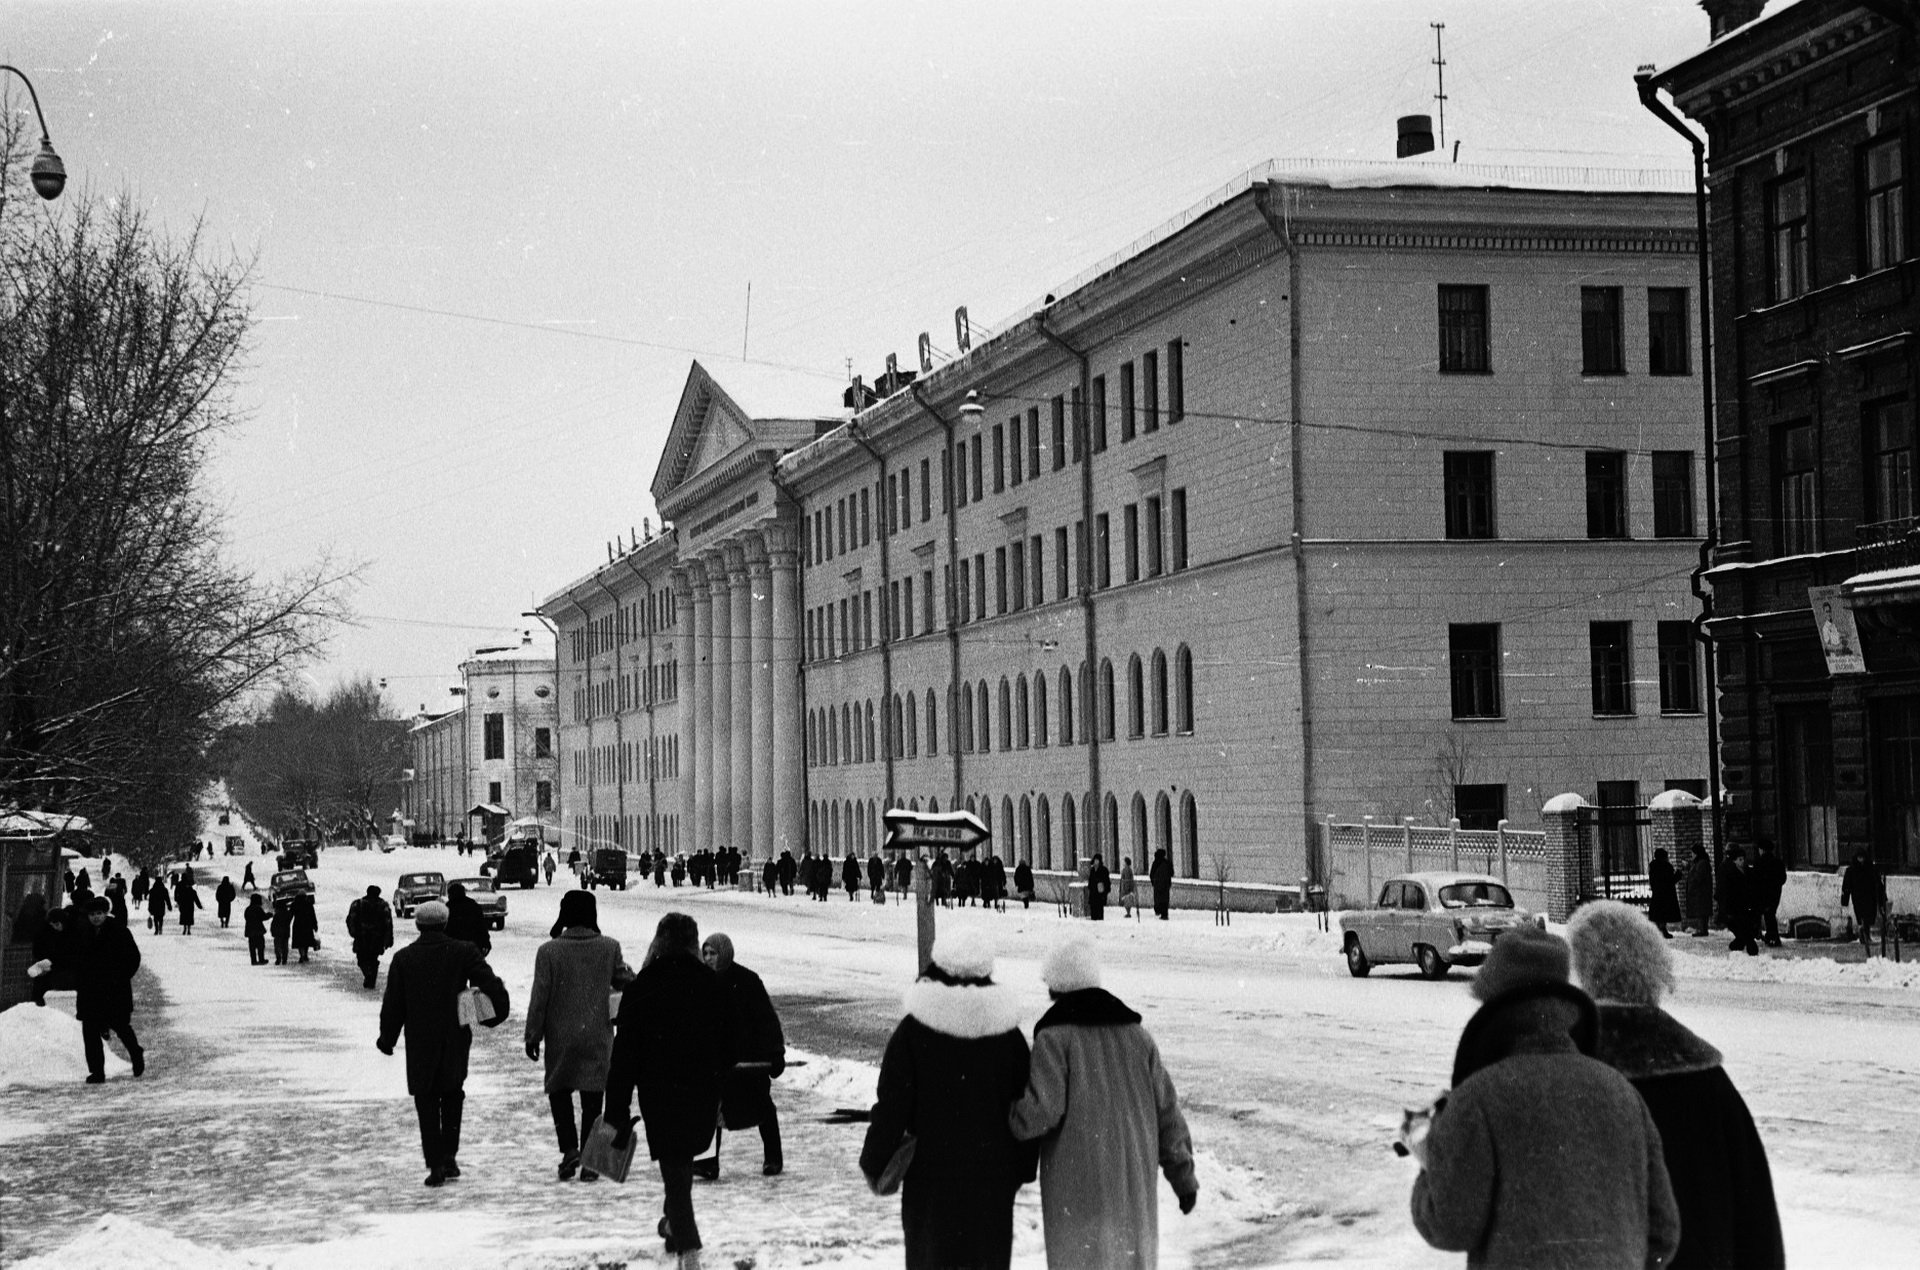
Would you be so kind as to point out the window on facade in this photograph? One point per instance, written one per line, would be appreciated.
(1480, 806)
(1000, 580)
(1062, 582)
(1130, 520)
(1033, 443)
(1884, 204)
(926, 600)
(1463, 330)
(1176, 382)
(1040, 708)
(1797, 494)
(543, 795)
(1060, 432)
(966, 591)
(1183, 690)
(946, 480)
(1787, 236)
(1017, 576)
(979, 489)
(1809, 810)
(543, 743)
(1156, 552)
(1136, 698)
(1097, 414)
(493, 731)
(1606, 494)
(1150, 392)
(1000, 453)
(1473, 656)
(1128, 419)
(1066, 706)
(1102, 544)
(1469, 493)
(866, 519)
(926, 489)
(1006, 715)
(1889, 447)
(1602, 346)
(1106, 700)
(1667, 343)
(1037, 570)
(1679, 670)
(1673, 493)
(1022, 715)
(933, 725)
(984, 717)
(1158, 682)
(493, 792)
(1179, 528)
(960, 473)
(1611, 647)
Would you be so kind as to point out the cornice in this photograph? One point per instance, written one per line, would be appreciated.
(1768, 54)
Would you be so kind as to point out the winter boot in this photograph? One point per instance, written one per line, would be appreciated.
(569, 1165)
(138, 1057)
(436, 1178)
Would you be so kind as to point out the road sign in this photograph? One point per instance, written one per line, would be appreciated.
(960, 830)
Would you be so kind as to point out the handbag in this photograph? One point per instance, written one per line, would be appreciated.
(598, 1152)
(896, 1171)
(474, 1007)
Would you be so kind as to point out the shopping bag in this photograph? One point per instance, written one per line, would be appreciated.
(475, 1007)
(599, 1154)
(896, 1171)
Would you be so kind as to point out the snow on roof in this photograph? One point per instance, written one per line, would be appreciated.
(518, 652)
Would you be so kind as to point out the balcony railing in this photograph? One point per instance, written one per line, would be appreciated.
(1887, 544)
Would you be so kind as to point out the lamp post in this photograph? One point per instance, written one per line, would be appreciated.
(554, 630)
(48, 173)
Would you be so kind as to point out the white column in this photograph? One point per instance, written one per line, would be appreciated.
(740, 657)
(686, 662)
(701, 829)
(720, 701)
(789, 786)
(761, 585)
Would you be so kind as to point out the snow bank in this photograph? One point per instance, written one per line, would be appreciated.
(41, 1045)
(121, 1241)
(1878, 972)
(840, 1081)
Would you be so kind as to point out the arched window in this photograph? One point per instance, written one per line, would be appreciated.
(893, 738)
(1110, 828)
(1136, 698)
(869, 732)
(973, 804)
(966, 721)
(933, 804)
(1066, 706)
(833, 826)
(1183, 689)
(933, 725)
(1040, 708)
(1159, 693)
(1189, 836)
(1069, 832)
(813, 819)
(1022, 719)
(849, 733)
(1026, 829)
(833, 736)
(1008, 826)
(912, 720)
(813, 738)
(983, 718)
(1043, 850)
(1163, 825)
(1006, 715)
(1106, 700)
(1139, 840)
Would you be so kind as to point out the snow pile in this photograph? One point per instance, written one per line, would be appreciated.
(121, 1241)
(1878, 972)
(42, 1046)
(1299, 935)
(840, 1081)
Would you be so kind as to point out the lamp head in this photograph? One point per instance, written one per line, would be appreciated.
(971, 409)
(49, 174)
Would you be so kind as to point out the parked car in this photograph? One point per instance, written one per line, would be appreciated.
(288, 883)
(518, 864)
(486, 893)
(414, 889)
(1433, 920)
(300, 853)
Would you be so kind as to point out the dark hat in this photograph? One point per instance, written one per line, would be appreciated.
(99, 904)
(1523, 957)
(578, 908)
(373, 892)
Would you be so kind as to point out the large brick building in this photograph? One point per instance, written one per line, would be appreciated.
(1811, 112)
(1366, 494)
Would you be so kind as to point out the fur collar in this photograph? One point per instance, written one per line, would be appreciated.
(1640, 1041)
(966, 1012)
(1089, 1007)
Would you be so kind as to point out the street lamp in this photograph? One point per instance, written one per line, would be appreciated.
(49, 174)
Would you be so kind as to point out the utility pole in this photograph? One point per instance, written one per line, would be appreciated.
(1440, 71)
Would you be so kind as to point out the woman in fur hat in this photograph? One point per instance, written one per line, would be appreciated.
(1713, 1152)
(952, 1069)
(1105, 1113)
(1541, 1156)
(573, 973)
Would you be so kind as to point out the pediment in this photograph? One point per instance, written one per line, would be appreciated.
(711, 427)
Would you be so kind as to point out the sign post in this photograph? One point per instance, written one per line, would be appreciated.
(906, 830)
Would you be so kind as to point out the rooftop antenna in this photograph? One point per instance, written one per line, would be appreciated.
(1440, 72)
(747, 326)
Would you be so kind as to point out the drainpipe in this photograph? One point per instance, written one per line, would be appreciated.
(646, 699)
(1276, 218)
(953, 607)
(1643, 80)
(800, 625)
(1090, 722)
(886, 625)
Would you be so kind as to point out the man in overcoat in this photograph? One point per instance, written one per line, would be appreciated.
(746, 1092)
(425, 983)
(1099, 885)
(1160, 876)
(370, 925)
(105, 959)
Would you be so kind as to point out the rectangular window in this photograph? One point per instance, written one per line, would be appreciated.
(1102, 551)
(1018, 472)
(1176, 382)
(906, 607)
(1463, 331)
(1884, 204)
(946, 481)
(1668, 348)
(1130, 520)
(1480, 806)
(1098, 414)
(846, 627)
(493, 791)
(1179, 519)
(866, 619)
(1787, 236)
(1156, 553)
(866, 520)
(1468, 476)
(999, 579)
(1037, 569)
(1000, 455)
(493, 728)
(1611, 646)
(960, 473)
(1889, 437)
(1150, 392)
(1127, 419)
(1619, 819)
(1809, 808)
(926, 600)
(543, 742)
(1602, 350)
(1059, 433)
(1797, 496)
(966, 591)
(979, 487)
(1076, 405)
(1033, 446)
(1679, 670)
(543, 795)
(1606, 494)
(846, 526)
(1673, 493)
(890, 623)
(1473, 659)
(926, 489)
(980, 586)
(1062, 584)
(1017, 575)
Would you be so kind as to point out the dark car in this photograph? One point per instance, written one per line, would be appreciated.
(608, 867)
(415, 889)
(288, 883)
(300, 853)
(517, 865)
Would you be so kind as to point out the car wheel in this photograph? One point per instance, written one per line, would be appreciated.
(1432, 964)
(1357, 963)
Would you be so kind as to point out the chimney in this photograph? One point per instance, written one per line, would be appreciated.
(1416, 135)
(1725, 15)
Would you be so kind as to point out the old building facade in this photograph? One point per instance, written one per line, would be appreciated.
(492, 760)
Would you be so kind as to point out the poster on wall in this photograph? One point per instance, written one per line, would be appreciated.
(1839, 638)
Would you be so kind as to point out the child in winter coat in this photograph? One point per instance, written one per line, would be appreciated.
(282, 928)
(255, 920)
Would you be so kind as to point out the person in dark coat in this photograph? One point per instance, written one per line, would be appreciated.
(117, 896)
(1699, 891)
(877, 878)
(425, 984)
(573, 973)
(952, 1071)
(223, 897)
(1736, 902)
(104, 960)
(186, 902)
(141, 885)
(1498, 1180)
(942, 871)
(1715, 1160)
(1769, 880)
(282, 928)
(659, 868)
(254, 919)
(246, 879)
(1663, 899)
(305, 928)
(1099, 885)
(158, 906)
(850, 876)
(759, 1054)
(787, 870)
(996, 883)
(466, 921)
(50, 933)
(1023, 883)
(903, 869)
(1862, 887)
(770, 877)
(675, 1046)
(370, 926)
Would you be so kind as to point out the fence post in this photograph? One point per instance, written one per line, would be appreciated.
(1569, 861)
(1326, 861)
(1500, 837)
(1453, 842)
(1406, 837)
(1366, 853)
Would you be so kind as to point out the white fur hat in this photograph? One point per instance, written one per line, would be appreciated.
(1619, 954)
(964, 954)
(1070, 965)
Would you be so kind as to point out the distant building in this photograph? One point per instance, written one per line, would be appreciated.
(493, 759)
(1812, 113)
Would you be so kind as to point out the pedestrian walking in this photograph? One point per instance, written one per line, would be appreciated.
(223, 897)
(1497, 1179)
(1862, 887)
(246, 878)
(1023, 883)
(1099, 886)
(1736, 902)
(1699, 898)
(573, 973)
(117, 896)
(1715, 1160)
(1769, 880)
(282, 928)
(942, 870)
(158, 906)
(952, 1071)
(573, 861)
(1663, 899)
(103, 959)
(787, 869)
(305, 928)
(370, 927)
(254, 919)
(759, 1055)
(1103, 1109)
(673, 1045)
(549, 867)
(850, 875)
(425, 982)
(1129, 894)
(186, 902)
(466, 921)
(141, 884)
(877, 878)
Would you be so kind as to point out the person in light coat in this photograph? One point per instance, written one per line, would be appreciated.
(1104, 1110)
(574, 974)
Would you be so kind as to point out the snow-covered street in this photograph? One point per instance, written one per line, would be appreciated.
(269, 1132)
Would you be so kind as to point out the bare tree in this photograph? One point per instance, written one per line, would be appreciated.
(319, 769)
(1452, 763)
(1220, 868)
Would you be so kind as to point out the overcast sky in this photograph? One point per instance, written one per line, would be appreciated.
(489, 238)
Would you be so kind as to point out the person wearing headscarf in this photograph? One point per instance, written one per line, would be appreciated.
(306, 925)
(573, 974)
(223, 896)
(1715, 1160)
(1103, 1109)
(1541, 1156)
(186, 901)
(759, 1052)
(954, 1067)
(158, 906)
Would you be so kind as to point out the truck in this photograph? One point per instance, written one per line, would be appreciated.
(607, 866)
(517, 864)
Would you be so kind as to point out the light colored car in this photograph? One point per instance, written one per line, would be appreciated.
(1433, 920)
(415, 889)
(487, 894)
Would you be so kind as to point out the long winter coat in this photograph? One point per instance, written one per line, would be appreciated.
(185, 901)
(1717, 1165)
(466, 921)
(306, 923)
(423, 988)
(674, 1045)
(757, 1038)
(567, 1009)
(1543, 1158)
(370, 924)
(1663, 902)
(1104, 1110)
(223, 896)
(158, 905)
(254, 918)
(1699, 888)
(104, 963)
